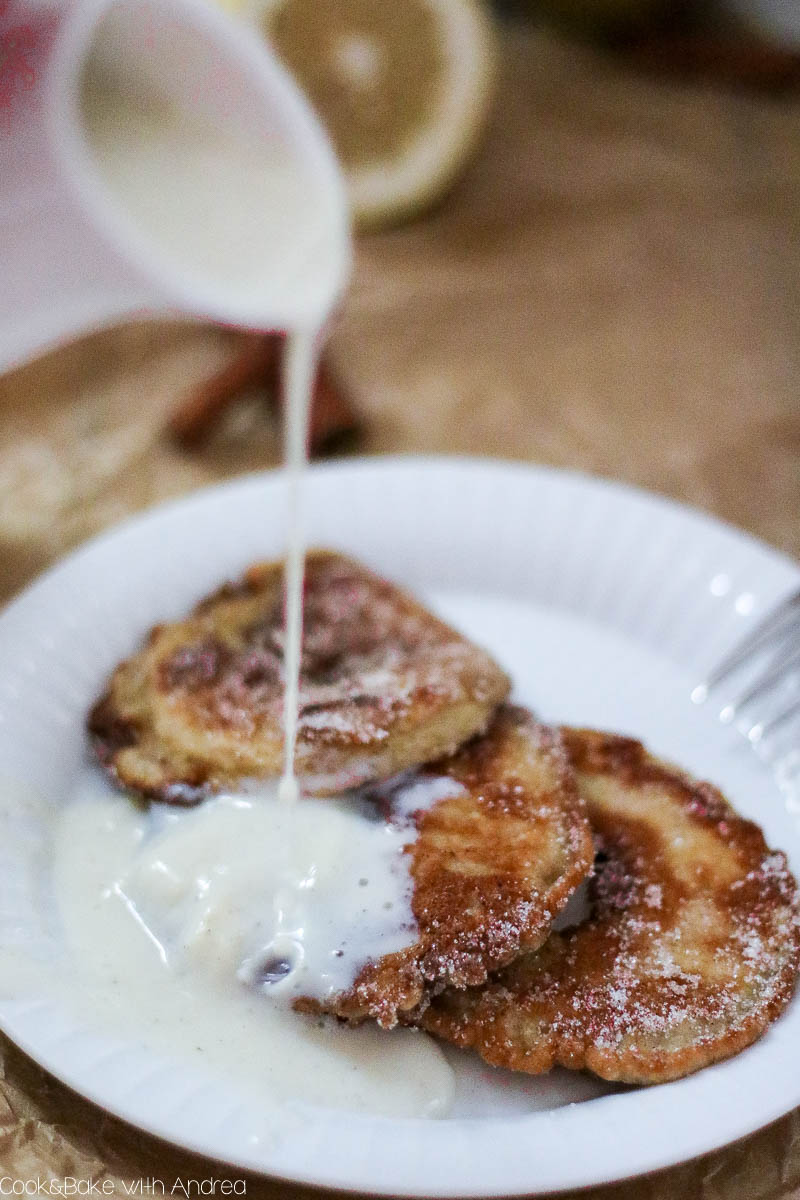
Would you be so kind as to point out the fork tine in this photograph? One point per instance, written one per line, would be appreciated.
(779, 620)
(764, 728)
(776, 670)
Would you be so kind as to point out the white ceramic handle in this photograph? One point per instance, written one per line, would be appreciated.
(72, 257)
(59, 277)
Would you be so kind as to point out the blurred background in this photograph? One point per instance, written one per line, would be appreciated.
(594, 265)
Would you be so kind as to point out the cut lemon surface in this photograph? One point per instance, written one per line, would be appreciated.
(403, 87)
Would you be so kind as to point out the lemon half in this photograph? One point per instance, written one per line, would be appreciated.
(402, 86)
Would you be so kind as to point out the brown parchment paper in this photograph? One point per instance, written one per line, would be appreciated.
(613, 287)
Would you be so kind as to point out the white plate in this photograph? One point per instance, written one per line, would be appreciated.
(606, 605)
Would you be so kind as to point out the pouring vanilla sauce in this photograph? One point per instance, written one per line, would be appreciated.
(201, 925)
(299, 370)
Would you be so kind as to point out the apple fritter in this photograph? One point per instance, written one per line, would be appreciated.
(690, 951)
(384, 686)
(492, 867)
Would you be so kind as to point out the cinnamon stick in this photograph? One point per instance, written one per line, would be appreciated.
(255, 362)
(332, 414)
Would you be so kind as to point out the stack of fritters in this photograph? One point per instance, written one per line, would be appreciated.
(690, 949)
(692, 940)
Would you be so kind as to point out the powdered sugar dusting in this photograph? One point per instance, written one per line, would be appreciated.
(370, 654)
(677, 964)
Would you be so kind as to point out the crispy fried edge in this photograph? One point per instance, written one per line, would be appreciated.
(400, 986)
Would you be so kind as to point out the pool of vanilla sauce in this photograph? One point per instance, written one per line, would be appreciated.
(175, 919)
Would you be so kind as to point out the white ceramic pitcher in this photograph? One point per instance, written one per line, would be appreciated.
(77, 252)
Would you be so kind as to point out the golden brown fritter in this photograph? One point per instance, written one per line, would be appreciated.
(492, 866)
(384, 686)
(691, 949)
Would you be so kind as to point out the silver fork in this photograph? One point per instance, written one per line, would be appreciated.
(758, 685)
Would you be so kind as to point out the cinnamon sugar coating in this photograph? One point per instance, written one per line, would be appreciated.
(690, 951)
(384, 686)
(491, 867)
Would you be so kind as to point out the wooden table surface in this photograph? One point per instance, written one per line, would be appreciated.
(613, 287)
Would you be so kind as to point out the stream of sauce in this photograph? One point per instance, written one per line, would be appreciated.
(299, 368)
